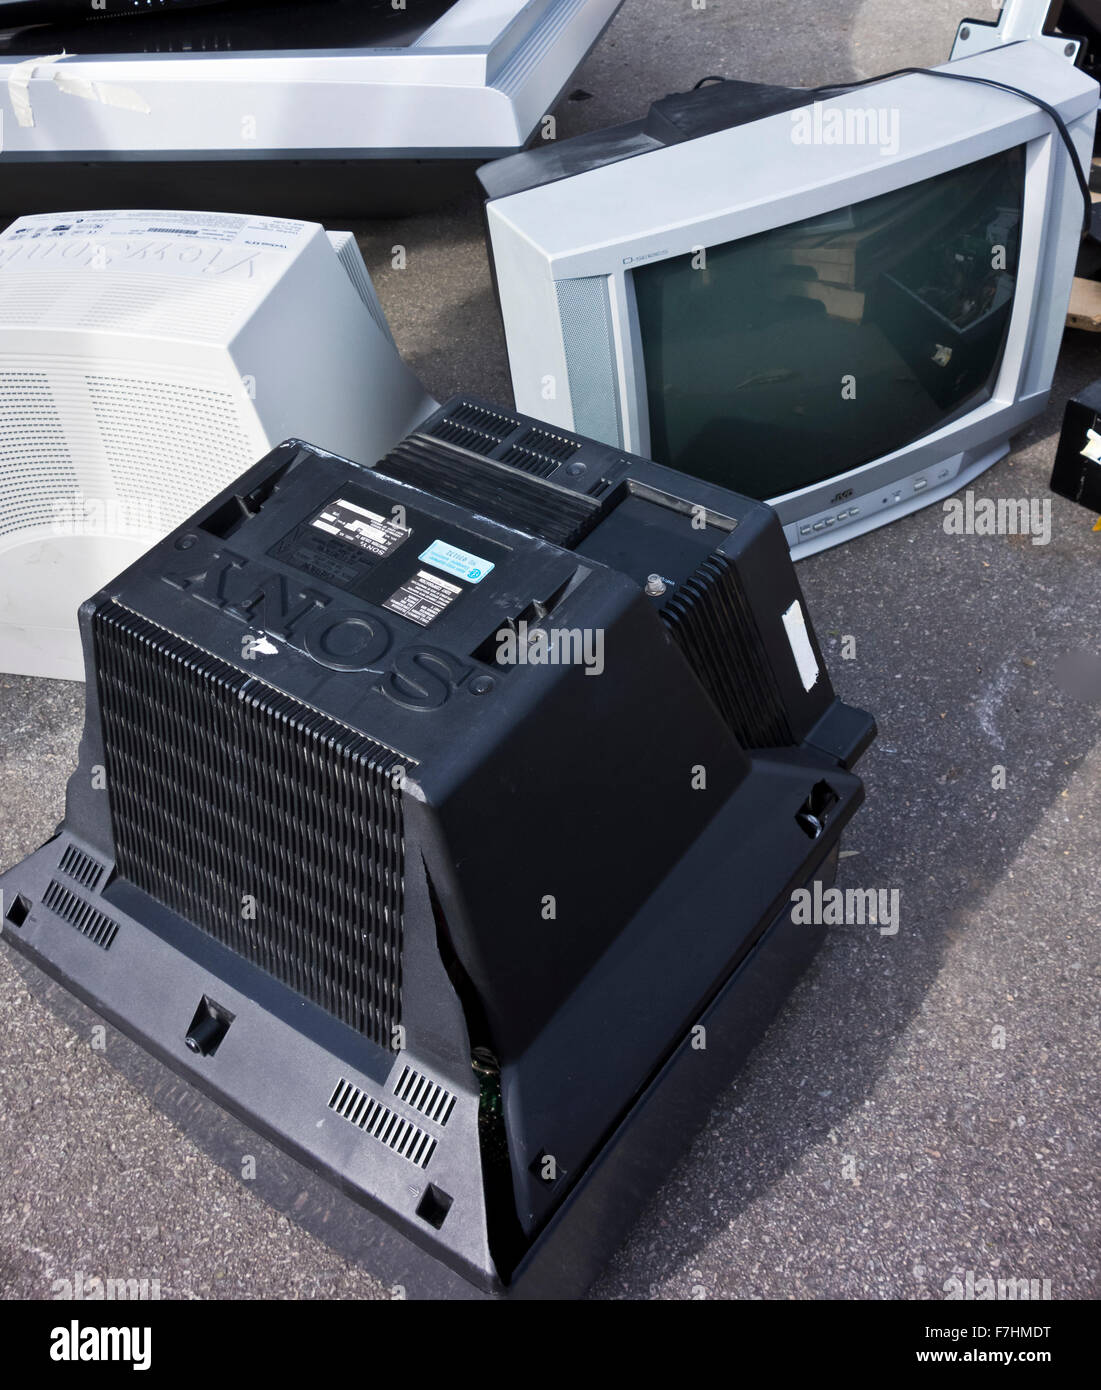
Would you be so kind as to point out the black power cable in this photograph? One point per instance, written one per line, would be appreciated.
(836, 87)
(1060, 124)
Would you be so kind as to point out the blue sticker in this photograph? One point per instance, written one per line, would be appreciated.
(460, 563)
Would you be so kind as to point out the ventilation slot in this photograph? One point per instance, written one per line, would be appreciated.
(383, 1124)
(81, 868)
(38, 480)
(554, 446)
(478, 417)
(712, 622)
(473, 427)
(346, 248)
(529, 462)
(223, 789)
(473, 440)
(140, 424)
(89, 921)
(433, 1101)
(502, 494)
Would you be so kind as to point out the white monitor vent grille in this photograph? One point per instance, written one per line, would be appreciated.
(168, 443)
(157, 305)
(35, 462)
(160, 447)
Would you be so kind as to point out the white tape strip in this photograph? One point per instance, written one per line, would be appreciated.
(795, 625)
(19, 87)
(107, 93)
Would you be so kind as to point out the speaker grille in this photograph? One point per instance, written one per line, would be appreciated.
(269, 826)
(584, 309)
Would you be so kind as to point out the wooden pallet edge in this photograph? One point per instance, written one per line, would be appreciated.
(1085, 305)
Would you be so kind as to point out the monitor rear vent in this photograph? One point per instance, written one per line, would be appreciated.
(81, 868)
(516, 457)
(127, 424)
(485, 486)
(465, 438)
(473, 427)
(553, 446)
(712, 622)
(478, 417)
(218, 782)
(382, 1123)
(540, 453)
(36, 465)
(27, 299)
(433, 1101)
(109, 298)
(88, 920)
(140, 422)
(348, 252)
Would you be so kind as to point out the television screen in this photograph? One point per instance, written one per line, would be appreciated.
(779, 360)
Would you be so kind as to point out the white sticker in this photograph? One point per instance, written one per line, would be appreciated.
(795, 625)
(1092, 450)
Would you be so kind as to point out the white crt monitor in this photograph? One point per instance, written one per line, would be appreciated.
(146, 360)
(843, 306)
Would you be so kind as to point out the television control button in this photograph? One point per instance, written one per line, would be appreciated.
(830, 520)
(919, 483)
(819, 525)
(804, 530)
(854, 511)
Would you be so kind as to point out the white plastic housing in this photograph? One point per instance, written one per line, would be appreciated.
(147, 359)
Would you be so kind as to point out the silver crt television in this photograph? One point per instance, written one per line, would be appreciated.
(841, 302)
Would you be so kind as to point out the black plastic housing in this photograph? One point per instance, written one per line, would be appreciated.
(448, 929)
(1077, 471)
(671, 120)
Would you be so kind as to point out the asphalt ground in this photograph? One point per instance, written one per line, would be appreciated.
(926, 1104)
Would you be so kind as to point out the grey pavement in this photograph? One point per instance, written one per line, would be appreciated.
(926, 1105)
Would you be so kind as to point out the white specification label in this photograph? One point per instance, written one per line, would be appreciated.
(423, 598)
(355, 524)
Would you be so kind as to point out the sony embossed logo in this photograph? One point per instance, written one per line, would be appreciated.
(419, 677)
